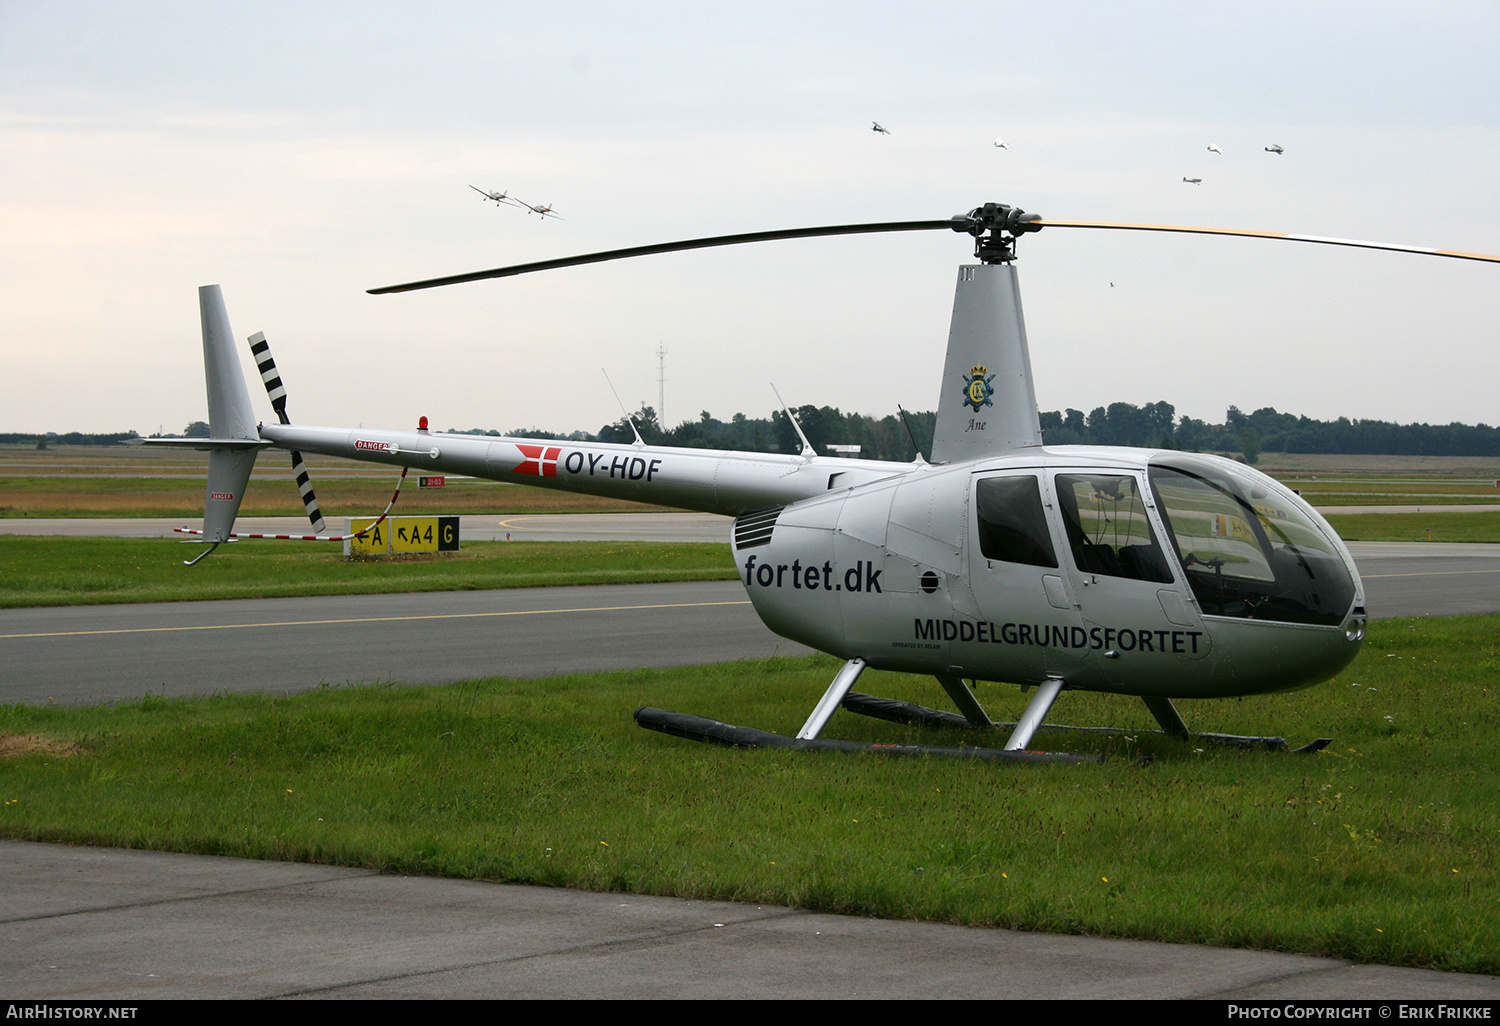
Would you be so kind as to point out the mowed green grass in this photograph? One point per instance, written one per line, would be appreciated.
(50, 571)
(1410, 486)
(1436, 527)
(1324, 500)
(1384, 847)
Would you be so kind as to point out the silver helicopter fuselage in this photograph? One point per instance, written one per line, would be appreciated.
(887, 561)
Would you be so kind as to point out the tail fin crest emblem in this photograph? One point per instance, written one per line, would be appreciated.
(978, 390)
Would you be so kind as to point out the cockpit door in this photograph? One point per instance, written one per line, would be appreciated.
(1133, 605)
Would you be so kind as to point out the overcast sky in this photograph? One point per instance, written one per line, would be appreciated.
(298, 154)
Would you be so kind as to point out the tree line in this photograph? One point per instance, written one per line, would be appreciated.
(1155, 425)
(900, 438)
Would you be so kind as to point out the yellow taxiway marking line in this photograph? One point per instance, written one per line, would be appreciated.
(375, 619)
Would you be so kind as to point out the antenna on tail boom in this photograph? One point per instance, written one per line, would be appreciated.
(628, 418)
(807, 448)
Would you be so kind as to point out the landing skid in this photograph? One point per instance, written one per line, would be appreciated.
(698, 728)
(1016, 749)
(906, 712)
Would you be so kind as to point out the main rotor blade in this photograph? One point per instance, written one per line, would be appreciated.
(975, 223)
(1324, 240)
(670, 247)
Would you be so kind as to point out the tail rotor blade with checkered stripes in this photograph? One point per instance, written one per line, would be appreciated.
(261, 350)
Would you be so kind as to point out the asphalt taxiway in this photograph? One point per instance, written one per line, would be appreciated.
(85, 654)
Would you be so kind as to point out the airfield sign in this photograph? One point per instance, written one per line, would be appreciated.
(402, 534)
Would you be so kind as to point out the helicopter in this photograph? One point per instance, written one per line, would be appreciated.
(1144, 573)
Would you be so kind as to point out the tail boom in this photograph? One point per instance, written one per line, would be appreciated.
(706, 480)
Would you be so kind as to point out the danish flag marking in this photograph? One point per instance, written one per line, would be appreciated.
(539, 460)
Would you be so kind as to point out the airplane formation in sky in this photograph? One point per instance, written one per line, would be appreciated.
(1001, 144)
(503, 198)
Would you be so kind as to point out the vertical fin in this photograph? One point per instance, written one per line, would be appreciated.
(230, 414)
(987, 406)
(230, 419)
(228, 473)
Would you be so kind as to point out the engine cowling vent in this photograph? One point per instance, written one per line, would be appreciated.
(754, 528)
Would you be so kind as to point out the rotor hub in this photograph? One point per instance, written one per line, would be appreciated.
(995, 227)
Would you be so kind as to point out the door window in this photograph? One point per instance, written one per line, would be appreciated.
(1012, 523)
(1107, 527)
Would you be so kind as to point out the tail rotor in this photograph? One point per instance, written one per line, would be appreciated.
(261, 350)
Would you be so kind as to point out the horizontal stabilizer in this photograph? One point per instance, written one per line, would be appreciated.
(204, 444)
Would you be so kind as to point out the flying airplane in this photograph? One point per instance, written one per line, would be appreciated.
(1192, 181)
(1274, 148)
(1214, 148)
(1154, 574)
(501, 198)
(1002, 144)
(545, 210)
(876, 127)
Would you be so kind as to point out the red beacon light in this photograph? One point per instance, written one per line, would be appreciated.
(422, 424)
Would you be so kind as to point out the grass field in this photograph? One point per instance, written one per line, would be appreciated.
(1323, 466)
(1399, 489)
(129, 481)
(91, 571)
(1425, 501)
(105, 481)
(1385, 847)
(1423, 527)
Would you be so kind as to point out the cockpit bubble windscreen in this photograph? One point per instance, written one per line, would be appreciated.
(1246, 549)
